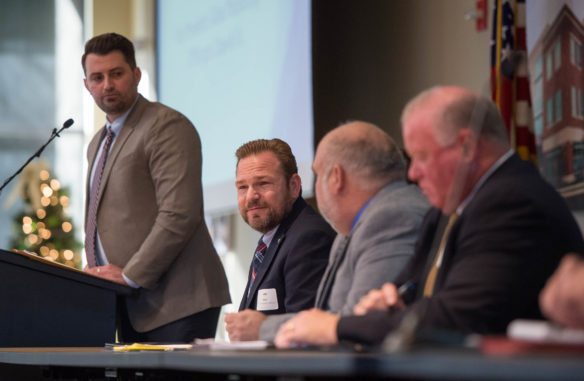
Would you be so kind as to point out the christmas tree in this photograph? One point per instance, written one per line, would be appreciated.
(43, 226)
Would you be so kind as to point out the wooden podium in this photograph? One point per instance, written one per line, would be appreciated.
(45, 304)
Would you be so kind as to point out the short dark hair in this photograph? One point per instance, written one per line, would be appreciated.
(108, 42)
(278, 147)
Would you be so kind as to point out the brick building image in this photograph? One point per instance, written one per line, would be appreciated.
(557, 81)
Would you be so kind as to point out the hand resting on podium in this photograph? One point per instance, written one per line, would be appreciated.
(109, 272)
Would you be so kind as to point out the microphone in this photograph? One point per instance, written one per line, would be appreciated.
(68, 123)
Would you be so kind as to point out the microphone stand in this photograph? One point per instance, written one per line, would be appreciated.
(54, 134)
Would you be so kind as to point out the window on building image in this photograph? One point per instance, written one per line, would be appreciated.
(577, 110)
(558, 102)
(574, 100)
(537, 95)
(580, 110)
(538, 124)
(575, 52)
(557, 55)
(550, 112)
(549, 65)
(538, 68)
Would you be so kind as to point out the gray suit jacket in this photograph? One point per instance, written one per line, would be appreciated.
(379, 247)
(150, 217)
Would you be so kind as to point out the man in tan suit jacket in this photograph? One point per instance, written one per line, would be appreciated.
(144, 219)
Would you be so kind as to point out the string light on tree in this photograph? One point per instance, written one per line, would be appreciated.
(43, 226)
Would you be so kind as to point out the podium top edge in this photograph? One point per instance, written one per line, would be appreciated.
(39, 264)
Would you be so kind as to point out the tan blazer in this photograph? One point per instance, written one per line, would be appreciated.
(150, 217)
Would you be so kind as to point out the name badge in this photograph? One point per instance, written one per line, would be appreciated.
(267, 300)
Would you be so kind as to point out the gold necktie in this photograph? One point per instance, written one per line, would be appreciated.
(431, 279)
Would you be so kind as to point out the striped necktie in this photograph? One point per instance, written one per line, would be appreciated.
(258, 258)
(91, 226)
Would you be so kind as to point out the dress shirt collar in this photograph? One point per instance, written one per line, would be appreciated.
(117, 124)
(482, 180)
(267, 238)
(393, 184)
(361, 212)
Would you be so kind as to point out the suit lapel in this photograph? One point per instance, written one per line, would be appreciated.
(246, 300)
(125, 132)
(340, 246)
(450, 244)
(333, 254)
(91, 156)
(420, 265)
(435, 230)
(272, 251)
(338, 251)
(112, 157)
(266, 264)
(448, 253)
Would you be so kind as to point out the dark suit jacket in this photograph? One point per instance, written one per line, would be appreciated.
(150, 217)
(501, 250)
(294, 262)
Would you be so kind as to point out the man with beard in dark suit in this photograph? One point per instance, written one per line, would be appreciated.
(294, 247)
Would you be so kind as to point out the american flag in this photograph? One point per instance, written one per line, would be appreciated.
(509, 78)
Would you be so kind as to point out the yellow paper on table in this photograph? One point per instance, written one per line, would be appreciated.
(151, 347)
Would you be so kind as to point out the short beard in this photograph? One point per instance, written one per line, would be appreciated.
(269, 223)
(115, 109)
(273, 218)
